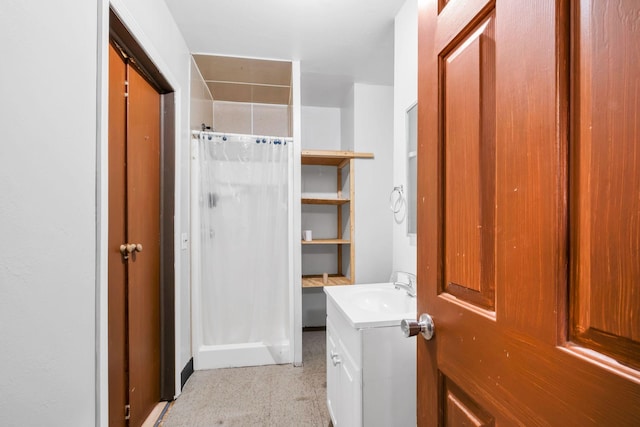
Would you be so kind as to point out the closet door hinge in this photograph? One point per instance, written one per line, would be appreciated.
(127, 412)
(126, 88)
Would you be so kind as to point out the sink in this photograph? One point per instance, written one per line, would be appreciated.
(383, 299)
(372, 305)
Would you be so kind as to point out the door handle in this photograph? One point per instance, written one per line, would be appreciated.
(424, 325)
(129, 248)
(335, 358)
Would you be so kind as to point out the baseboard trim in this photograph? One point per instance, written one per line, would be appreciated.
(186, 373)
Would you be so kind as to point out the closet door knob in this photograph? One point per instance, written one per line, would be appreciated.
(128, 248)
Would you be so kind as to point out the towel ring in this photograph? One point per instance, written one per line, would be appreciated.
(396, 199)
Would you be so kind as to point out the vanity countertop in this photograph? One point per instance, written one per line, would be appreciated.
(372, 305)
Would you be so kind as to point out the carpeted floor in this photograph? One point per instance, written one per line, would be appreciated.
(278, 395)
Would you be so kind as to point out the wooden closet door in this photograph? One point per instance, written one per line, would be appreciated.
(134, 219)
(529, 212)
(143, 213)
(117, 294)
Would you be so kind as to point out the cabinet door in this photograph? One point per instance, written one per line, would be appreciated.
(344, 380)
(333, 373)
(351, 388)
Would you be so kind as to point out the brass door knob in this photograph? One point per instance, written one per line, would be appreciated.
(128, 248)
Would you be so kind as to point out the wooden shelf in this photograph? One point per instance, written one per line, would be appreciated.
(331, 158)
(315, 281)
(326, 242)
(320, 201)
(343, 198)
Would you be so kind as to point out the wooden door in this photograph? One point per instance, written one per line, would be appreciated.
(134, 219)
(143, 228)
(118, 359)
(529, 212)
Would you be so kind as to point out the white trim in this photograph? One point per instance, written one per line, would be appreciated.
(196, 330)
(261, 58)
(102, 217)
(291, 248)
(177, 232)
(295, 255)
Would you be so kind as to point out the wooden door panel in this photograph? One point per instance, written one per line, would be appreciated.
(117, 235)
(513, 364)
(143, 197)
(520, 381)
(459, 409)
(456, 17)
(531, 169)
(606, 181)
(467, 84)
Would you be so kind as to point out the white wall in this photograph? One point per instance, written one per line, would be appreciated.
(53, 208)
(347, 120)
(48, 213)
(320, 131)
(405, 95)
(321, 128)
(373, 132)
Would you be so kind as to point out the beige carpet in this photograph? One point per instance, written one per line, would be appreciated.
(278, 395)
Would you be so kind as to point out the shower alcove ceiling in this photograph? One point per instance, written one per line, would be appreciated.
(251, 96)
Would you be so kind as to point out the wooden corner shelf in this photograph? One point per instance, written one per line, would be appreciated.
(315, 281)
(326, 242)
(343, 200)
(323, 201)
(331, 157)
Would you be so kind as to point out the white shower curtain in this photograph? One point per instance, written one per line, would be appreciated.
(244, 261)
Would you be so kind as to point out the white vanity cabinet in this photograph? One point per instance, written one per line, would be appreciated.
(371, 370)
(344, 374)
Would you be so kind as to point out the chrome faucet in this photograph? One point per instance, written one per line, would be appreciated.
(409, 286)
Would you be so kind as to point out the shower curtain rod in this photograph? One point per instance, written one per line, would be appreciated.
(246, 135)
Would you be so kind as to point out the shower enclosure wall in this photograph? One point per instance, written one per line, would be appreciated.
(242, 296)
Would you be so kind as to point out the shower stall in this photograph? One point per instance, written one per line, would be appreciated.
(242, 296)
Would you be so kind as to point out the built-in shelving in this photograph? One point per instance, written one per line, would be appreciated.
(326, 242)
(315, 281)
(340, 160)
(321, 201)
(331, 158)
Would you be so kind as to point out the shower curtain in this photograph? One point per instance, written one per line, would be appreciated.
(244, 261)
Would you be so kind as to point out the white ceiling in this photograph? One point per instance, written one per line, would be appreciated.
(337, 42)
